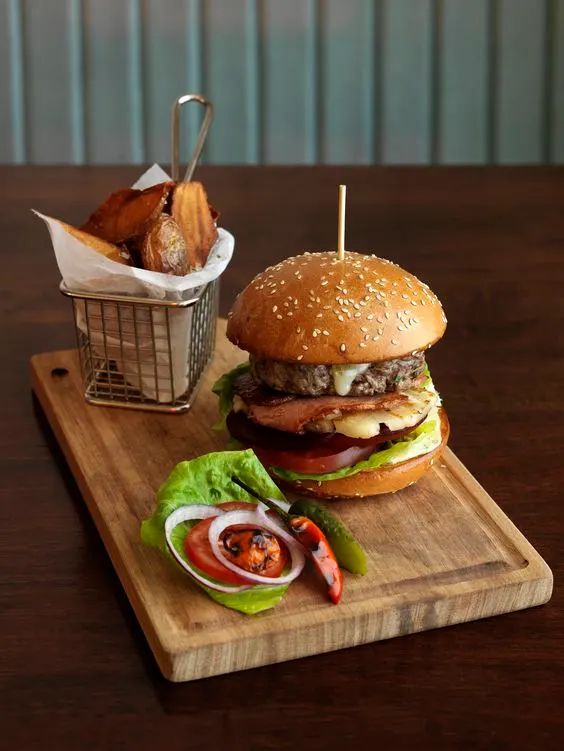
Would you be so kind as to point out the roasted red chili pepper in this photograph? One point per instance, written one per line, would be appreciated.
(312, 539)
(317, 545)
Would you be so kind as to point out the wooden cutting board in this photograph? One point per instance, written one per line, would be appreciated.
(440, 552)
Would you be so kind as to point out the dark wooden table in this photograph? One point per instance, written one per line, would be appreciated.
(75, 670)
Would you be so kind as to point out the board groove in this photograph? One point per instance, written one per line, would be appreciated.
(440, 552)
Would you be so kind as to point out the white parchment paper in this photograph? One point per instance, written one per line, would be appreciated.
(142, 358)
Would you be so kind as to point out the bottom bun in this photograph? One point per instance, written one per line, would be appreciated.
(387, 479)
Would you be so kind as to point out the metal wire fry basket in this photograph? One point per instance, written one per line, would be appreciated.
(145, 353)
(126, 350)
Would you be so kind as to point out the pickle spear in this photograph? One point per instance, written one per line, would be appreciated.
(347, 549)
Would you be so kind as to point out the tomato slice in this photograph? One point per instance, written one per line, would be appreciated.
(198, 549)
(314, 461)
(311, 453)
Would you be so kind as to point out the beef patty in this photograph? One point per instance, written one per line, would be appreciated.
(317, 380)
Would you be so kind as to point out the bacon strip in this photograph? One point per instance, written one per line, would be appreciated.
(290, 413)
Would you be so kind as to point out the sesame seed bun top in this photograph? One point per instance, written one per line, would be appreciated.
(317, 309)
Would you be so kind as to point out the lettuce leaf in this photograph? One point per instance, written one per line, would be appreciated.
(223, 387)
(207, 480)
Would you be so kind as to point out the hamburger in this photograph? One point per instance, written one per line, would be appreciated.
(336, 398)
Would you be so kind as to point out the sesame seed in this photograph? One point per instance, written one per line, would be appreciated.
(279, 317)
(340, 318)
(362, 344)
(274, 308)
(395, 341)
(282, 281)
(413, 302)
(299, 330)
(300, 357)
(367, 337)
(343, 347)
(375, 338)
(309, 305)
(314, 332)
(386, 314)
(357, 315)
(319, 315)
(363, 328)
(324, 283)
(289, 313)
(369, 317)
(325, 332)
(305, 347)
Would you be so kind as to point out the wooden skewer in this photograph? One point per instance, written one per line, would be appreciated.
(341, 227)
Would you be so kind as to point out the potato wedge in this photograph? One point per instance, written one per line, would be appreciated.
(128, 213)
(191, 211)
(110, 250)
(164, 249)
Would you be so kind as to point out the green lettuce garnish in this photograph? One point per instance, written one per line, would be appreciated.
(207, 480)
(223, 387)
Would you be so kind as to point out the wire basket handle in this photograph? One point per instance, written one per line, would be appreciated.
(175, 135)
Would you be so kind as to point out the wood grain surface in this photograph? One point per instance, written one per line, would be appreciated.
(440, 552)
(75, 670)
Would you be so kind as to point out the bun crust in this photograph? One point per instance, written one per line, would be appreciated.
(374, 482)
(317, 309)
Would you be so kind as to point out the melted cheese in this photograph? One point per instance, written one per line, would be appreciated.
(344, 375)
(368, 424)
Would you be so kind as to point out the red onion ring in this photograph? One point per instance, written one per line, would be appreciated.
(254, 519)
(189, 513)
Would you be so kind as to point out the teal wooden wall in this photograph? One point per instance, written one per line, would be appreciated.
(293, 81)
